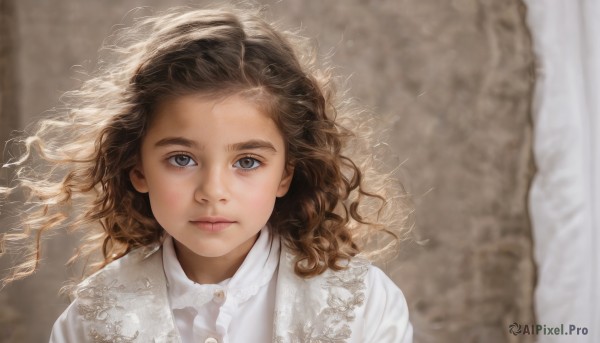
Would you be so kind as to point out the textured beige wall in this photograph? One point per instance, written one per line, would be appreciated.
(451, 81)
(9, 120)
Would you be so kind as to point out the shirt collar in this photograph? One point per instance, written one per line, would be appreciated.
(255, 272)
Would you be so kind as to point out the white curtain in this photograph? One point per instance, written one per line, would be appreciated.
(565, 196)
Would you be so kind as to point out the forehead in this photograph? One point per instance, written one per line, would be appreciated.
(256, 97)
(224, 120)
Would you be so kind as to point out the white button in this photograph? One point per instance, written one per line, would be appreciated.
(211, 340)
(219, 295)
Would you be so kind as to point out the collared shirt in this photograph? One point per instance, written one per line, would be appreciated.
(239, 309)
(129, 301)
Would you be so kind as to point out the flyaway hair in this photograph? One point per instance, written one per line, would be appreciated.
(73, 168)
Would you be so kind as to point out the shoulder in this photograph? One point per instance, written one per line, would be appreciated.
(366, 299)
(139, 258)
(135, 272)
(381, 310)
(67, 327)
(113, 302)
(358, 303)
(385, 310)
(378, 283)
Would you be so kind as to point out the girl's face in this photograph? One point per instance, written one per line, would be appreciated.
(212, 170)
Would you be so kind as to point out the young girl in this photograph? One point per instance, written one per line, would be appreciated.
(209, 163)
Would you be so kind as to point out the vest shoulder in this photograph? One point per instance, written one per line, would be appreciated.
(333, 302)
(122, 268)
(126, 301)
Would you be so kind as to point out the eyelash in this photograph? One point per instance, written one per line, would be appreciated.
(171, 161)
(247, 170)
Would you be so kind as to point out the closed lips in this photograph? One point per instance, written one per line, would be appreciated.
(213, 220)
(213, 225)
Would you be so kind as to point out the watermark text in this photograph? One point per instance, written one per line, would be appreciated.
(547, 330)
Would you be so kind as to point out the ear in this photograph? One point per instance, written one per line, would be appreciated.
(138, 179)
(286, 180)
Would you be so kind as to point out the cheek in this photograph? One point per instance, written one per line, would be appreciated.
(167, 196)
(262, 197)
(165, 203)
(173, 198)
(262, 203)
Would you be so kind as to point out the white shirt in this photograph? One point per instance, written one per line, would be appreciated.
(129, 300)
(239, 309)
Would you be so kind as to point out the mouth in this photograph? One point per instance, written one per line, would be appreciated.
(212, 224)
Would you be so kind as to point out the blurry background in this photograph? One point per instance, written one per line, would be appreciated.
(452, 82)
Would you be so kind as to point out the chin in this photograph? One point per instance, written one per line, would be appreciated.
(210, 252)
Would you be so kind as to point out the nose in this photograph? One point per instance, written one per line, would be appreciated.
(212, 185)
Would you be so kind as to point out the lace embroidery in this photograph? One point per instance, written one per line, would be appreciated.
(345, 290)
(98, 302)
(101, 300)
(114, 334)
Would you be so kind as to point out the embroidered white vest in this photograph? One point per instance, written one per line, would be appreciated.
(127, 302)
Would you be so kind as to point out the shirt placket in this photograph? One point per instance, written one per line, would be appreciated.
(226, 308)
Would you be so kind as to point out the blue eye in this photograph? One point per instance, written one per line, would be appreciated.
(181, 161)
(247, 163)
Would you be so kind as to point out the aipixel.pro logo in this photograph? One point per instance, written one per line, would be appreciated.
(547, 330)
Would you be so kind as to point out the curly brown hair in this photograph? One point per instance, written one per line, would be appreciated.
(336, 200)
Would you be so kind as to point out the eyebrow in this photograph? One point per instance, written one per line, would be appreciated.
(253, 144)
(176, 141)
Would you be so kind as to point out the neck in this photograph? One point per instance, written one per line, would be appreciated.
(212, 270)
